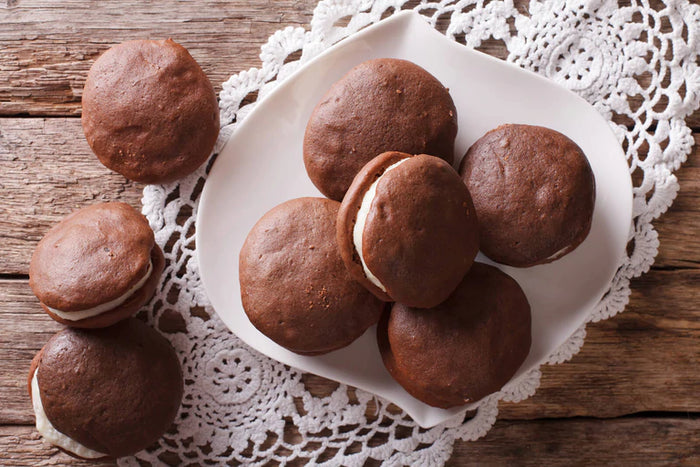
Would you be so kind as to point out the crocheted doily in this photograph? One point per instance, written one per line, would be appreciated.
(633, 62)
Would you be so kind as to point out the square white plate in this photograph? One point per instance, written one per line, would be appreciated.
(261, 166)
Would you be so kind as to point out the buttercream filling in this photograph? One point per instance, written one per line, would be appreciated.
(359, 228)
(103, 307)
(50, 433)
(556, 255)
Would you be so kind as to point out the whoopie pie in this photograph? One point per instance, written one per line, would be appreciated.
(534, 193)
(149, 111)
(380, 105)
(97, 266)
(464, 349)
(294, 286)
(105, 393)
(407, 229)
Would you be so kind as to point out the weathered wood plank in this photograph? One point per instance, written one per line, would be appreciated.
(24, 330)
(23, 446)
(49, 171)
(643, 360)
(45, 51)
(631, 441)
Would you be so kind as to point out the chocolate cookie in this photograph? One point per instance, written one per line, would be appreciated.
(105, 393)
(534, 193)
(97, 266)
(464, 349)
(380, 105)
(407, 229)
(294, 286)
(149, 111)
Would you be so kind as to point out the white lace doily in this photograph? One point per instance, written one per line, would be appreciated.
(635, 61)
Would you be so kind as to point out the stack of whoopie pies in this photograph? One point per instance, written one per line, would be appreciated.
(395, 242)
(108, 385)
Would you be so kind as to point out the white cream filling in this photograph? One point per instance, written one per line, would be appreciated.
(358, 230)
(555, 255)
(51, 434)
(101, 308)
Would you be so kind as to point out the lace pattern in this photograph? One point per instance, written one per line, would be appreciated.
(634, 63)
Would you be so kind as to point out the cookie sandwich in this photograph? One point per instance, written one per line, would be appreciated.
(294, 286)
(105, 393)
(534, 194)
(149, 111)
(464, 349)
(407, 229)
(380, 105)
(97, 266)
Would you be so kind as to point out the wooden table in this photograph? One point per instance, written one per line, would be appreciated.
(630, 397)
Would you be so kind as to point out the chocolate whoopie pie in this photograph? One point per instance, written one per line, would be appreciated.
(466, 348)
(149, 111)
(407, 229)
(294, 286)
(105, 393)
(97, 266)
(534, 193)
(380, 105)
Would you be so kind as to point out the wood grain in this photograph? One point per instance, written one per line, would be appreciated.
(43, 67)
(23, 446)
(642, 360)
(49, 171)
(624, 442)
(581, 442)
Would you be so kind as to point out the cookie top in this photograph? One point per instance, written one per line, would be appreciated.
(380, 105)
(114, 390)
(485, 322)
(294, 286)
(407, 229)
(149, 111)
(534, 194)
(93, 256)
(109, 313)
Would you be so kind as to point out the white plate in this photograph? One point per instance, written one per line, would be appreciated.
(261, 166)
